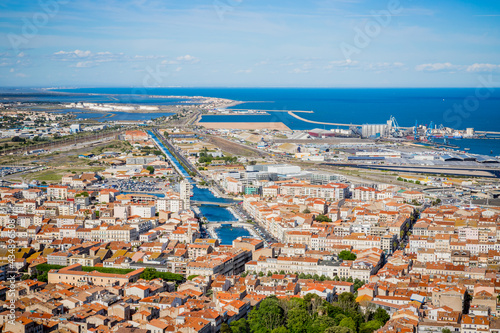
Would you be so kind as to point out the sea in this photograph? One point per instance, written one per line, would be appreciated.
(459, 108)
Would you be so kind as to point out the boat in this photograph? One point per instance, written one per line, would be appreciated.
(466, 148)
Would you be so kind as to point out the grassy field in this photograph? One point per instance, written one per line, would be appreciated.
(61, 163)
(55, 175)
(116, 146)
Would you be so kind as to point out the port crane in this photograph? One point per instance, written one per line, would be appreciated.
(428, 131)
(415, 131)
(395, 130)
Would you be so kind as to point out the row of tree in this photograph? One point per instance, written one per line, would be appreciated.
(310, 314)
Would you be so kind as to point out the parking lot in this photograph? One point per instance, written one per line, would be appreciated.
(136, 185)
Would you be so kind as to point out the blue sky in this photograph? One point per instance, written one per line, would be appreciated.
(249, 43)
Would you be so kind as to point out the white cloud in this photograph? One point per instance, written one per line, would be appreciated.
(448, 67)
(188, 58)
(84, 64)
(21, 75)
(244, 71)
(342, 63)
(262, 63)
(299, 71)
(384, 66)
(483, 68)
(12, 70)
(74, 54)
(437, 67)
(87, 58)
(181, 59)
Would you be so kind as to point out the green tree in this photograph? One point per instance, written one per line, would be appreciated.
(339, 329)
(381, 315)
(44, 277)
(347, 255)
(358, 284)
(321, 323)
(267, 317)
(322, 218)
(370, 326)
(349, 323)
(306, 211)
(445, 330)
(240, 326)
(148, 274)
(281, 329)
(332, 310)
(338, 318)
(151, 169)
(151, 273)
(298, 320)
(347, 301)
(224, 328)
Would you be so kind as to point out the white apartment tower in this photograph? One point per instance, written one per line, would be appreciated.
(185, 193)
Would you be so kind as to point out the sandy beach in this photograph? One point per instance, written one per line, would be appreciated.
(246, 126)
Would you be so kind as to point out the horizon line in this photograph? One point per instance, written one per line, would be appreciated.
(235, 87)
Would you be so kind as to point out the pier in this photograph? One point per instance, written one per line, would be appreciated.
(291, 113)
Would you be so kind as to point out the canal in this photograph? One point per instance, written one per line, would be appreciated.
(213, 213)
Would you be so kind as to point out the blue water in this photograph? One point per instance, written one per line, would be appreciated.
(213, 213)
(116, 115)
(476, 146)
(358, 106)
(217, 214)
(204, 194)
(98, 95)
(453, 107)
(170, 156)
(227, 234)
(88, 115)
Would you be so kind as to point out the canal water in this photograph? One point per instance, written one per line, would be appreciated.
(213, 213)
(227, 233)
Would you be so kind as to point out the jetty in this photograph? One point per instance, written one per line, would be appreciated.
(291, 113)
